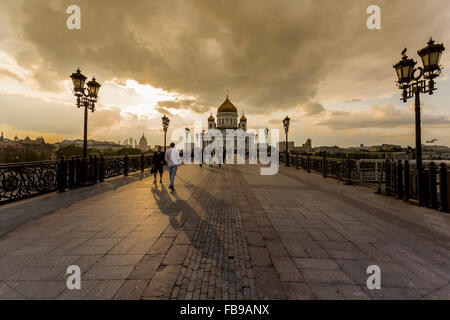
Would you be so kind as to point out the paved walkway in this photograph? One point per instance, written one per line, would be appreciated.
(226, 233)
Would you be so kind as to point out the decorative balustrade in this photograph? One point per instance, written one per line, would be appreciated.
(398, 179)
(26, 179)
(23, 180)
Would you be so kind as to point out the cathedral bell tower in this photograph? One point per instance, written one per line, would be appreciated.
(243, 123)
(211, 122)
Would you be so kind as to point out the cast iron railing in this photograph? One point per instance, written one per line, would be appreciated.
(22, 180)
(397, 179)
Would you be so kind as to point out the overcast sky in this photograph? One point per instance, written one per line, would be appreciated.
(313, 60)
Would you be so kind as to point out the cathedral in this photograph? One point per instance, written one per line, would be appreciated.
(227, 118)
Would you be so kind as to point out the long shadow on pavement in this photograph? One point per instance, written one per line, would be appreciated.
(200, 231)
(15, 214)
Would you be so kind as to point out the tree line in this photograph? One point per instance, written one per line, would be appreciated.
(73, 150)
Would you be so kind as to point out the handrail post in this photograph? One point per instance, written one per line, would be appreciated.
(78, 171)
(95, 168)
(308, 167)
(433, 186)
(297, 162)
(125, 165)
(324, 166)
(91, 169)
(387, 177)
(142, 163)
(101, 174)
(443, 188)
(399, 186)
(407, 179)
(62, 174)
(426, 187)
(349, 170)
(72, 172)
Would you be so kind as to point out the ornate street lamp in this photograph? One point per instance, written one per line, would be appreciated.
(202, 135)
(286, 125)
(266, 136)
(165, 123)
(187, 131)
(413, 86)
(86, 97)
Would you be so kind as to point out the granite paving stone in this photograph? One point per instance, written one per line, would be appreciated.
(225, 233)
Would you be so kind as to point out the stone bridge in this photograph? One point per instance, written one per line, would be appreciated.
(225, 233)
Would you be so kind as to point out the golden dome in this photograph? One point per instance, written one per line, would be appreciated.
(227, 106)
(243, 118)
(211, 118)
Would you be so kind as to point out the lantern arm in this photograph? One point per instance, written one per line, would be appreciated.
(421, 72)
(86, 100)
(418, 86)
(86, 92)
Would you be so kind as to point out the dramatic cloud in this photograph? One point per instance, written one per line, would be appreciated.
(387, 116)
(353, 101)
(109, 117)
(312, 108)
(164, 111)
(183, 104)
(7, 73)
(270, 55)
(273, 57)
(25, 113)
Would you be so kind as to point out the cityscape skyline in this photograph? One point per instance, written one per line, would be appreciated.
(205, 152)
(312, 76)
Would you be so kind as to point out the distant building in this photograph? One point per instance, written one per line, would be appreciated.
(99, 145)
(390, 147)
(328, 149)
(22, 146)
(143, 143)
(227, 118)
(282, 146)
(307, 146)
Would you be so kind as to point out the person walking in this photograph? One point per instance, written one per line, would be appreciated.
(172, 158)
(158, 164)
(210, 158)
(222, 161)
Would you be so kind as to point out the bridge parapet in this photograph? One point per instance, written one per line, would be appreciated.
(26, 179)
(397, 179)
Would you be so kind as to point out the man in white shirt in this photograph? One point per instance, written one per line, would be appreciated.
(173, 159)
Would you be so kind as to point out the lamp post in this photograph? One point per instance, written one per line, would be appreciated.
(86, 97)
(286, 130)
(266, 136)
(185, 151)
(197, 147)
(413, 86)
(202, 136)
(165, 123)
